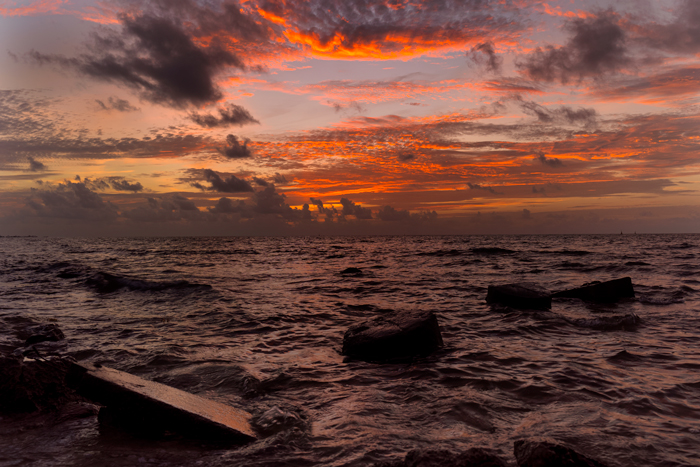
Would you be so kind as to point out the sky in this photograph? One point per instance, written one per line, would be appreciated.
(349, 117)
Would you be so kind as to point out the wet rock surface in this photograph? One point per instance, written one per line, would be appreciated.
(521, 296)
(395, 335)
(547, 454)
(601, 292)
(28, 385)
(474, 457)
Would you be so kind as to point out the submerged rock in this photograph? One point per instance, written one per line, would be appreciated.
(526, 296)
(603, 292)
(609, 323)
(351, 271)
(394, 335)
(44, 333)
(546, 454)
(474, 457)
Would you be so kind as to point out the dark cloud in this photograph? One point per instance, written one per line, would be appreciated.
(228, 206)
(527, 214)
(72, 200)
(115, 103)
(280, 179)
(260, 182)
(232, 184)
(229, 115)
(124, 185)
(168, 208)
(35, 165)
(483, 54)
(330, 212)
(682, 35)
(406, 156)
(598, 45)
(549, 161)
(563, 114)
(476, 186)
(235, 150)
(352, 209)
(155, 55)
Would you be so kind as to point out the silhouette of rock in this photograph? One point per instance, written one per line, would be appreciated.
(28, 385)
(524, 297)
(394, 335)
(474, 457)
(546, 454)
(603, 292)
(44, 333)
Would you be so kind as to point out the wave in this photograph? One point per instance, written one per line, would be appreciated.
(105, 282)
(609, 323)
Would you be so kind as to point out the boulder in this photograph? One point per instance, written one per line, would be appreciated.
(546, 454)
(394, 335)
(474, 457)
(150, 408)
(602, 292)
(28, 385)
(524, 297)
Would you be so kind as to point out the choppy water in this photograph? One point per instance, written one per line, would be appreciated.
(258, 323)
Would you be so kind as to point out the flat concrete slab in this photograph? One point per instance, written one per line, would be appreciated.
(151, 406)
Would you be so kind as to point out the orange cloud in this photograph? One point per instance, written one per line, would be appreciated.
(38, 7)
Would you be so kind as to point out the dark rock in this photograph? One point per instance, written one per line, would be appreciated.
(150, 408)
(351, 272)
(474, 457)
(603, 292)
(546, 454)
(28, 385)
(44, 333)
(394, 335)
(526, 297)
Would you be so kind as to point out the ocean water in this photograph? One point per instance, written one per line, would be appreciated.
(258, 323)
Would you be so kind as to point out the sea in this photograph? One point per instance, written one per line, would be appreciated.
(258, 322)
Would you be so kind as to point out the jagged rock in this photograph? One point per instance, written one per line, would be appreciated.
(28, 385)
(603, 292)
(44, 333)
(546, 454)
(474, 457)
(526, 297)
(150, 408)
(394, 335)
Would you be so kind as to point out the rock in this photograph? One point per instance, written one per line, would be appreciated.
(28, 385)
(524, 297)
(150, 408)
(474, 457)
(44, 333)
(351, 272)
(603, 292)
(546, 454)
(394, 335)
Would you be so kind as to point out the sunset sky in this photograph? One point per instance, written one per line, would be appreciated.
(193, 117)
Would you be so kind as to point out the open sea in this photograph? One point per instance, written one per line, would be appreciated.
(258, 323)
